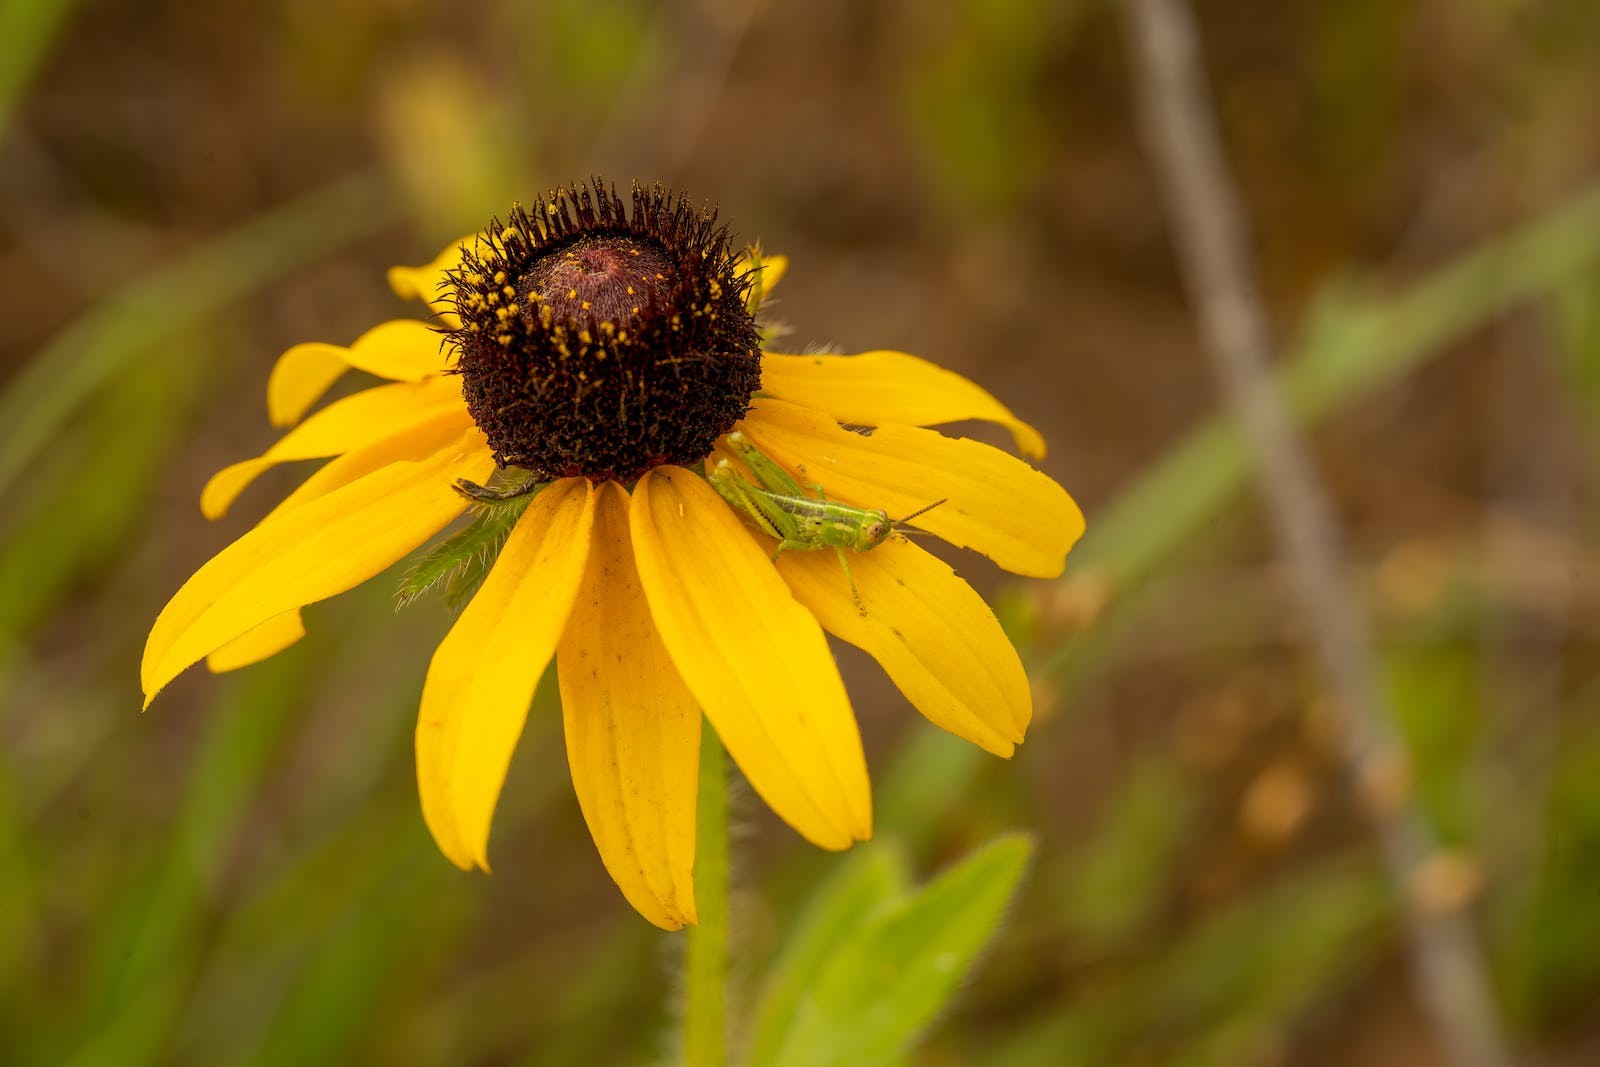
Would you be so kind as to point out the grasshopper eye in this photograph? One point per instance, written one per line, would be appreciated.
(875, 531)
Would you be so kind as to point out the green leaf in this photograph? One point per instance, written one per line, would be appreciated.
(461, 560)
(880, 989)
(873, 878)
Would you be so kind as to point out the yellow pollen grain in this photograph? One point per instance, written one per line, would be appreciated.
(509, 290)
(630, 290)
(572, 294)
(499, 277)
(585, 305)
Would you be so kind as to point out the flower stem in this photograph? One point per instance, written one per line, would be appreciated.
(706, 959)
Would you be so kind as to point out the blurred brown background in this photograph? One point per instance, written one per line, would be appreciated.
(242, 874)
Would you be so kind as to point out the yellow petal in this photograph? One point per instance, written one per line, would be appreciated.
(754, 658)
(931, 633)
(878, 387)
(265, 641)
(301, 555)
(401, 351)
(633, 729)
(993, 502)
(483, 675)
(772, 269)
(347, 424)
(429, 284)
(407, 445)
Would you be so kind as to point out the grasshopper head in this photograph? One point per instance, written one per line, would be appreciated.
(872, 534)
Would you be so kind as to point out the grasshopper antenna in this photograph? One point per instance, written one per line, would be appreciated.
(897, 523)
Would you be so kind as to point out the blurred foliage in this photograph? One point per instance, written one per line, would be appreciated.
(243, 876)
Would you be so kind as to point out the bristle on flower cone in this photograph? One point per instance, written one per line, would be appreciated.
(600, 338)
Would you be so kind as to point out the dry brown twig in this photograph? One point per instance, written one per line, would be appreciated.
(1451, 973)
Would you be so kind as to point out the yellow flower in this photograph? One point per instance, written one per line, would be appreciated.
(609, 351)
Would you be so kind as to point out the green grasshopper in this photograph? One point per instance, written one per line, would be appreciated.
(780, 508)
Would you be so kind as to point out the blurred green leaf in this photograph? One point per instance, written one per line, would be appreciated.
(859, 888)
(880, 990)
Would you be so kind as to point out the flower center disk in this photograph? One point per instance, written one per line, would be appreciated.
(601, 339)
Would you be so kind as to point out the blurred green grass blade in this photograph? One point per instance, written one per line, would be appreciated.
(1218, 995)
(149, 944)
(89, 495)
(859, 888)
(158, 306)
(1548, 930)
(879, 992)
(1114, 885)
(1349, 345)
(1576, 314)
(1433, 687)
(371, 950)
(28, 29)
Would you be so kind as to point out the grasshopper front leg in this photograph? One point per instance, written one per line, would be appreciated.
(855, 594)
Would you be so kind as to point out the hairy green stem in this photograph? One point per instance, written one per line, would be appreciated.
(705, 967)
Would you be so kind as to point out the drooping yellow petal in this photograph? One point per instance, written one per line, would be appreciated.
(933, 635)
(265, 641)
(402, 351)
(483, 675)
(407, 445)
(753, 657)
(301, 555)
(347, 424)
(632, 728)
(878, 387)
(429, 284)
(993, 502)
(771, 271)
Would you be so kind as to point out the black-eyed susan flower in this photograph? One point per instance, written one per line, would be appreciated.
(599, 351)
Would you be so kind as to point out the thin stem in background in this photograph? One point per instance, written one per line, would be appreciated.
(705, 966)
(1183, 139)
